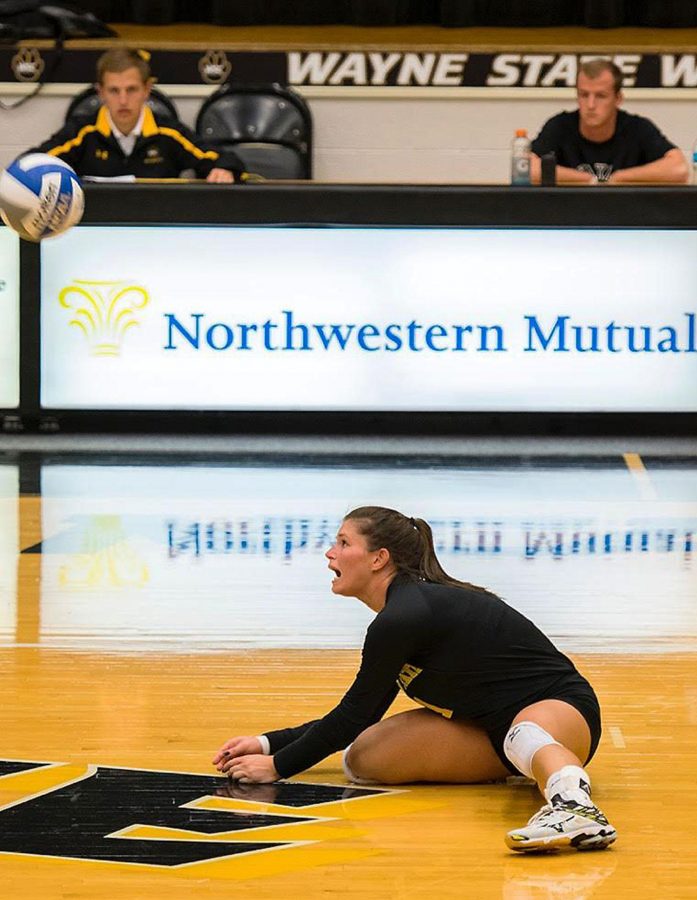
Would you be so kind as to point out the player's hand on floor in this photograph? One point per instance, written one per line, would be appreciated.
(237, 746)
(254, 769)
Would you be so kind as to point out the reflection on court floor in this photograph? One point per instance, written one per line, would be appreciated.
(9, 547)
(231, 556)
(150, 611)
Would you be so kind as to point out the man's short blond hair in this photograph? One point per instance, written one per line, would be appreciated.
(594, 68)
(121, 58)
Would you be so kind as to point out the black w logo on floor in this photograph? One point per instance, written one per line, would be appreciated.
(87, 817)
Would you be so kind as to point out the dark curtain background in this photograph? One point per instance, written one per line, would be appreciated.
(450, 13)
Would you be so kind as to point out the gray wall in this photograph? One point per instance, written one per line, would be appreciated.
(393, 135)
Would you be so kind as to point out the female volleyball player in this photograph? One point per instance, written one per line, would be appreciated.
(497, 696)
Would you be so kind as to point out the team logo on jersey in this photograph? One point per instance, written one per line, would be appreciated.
(601, 171)
(161, 819)
(104, 311)
(214, 67)
(153, 156)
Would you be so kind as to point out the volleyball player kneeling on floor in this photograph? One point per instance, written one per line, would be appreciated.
(498, 697)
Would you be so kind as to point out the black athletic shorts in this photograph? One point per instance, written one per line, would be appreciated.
(581, 696)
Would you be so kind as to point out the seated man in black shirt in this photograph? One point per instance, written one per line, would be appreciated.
(601, 143)
(126, 139)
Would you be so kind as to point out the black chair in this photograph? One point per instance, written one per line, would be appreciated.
(269, 127)
(86, 103)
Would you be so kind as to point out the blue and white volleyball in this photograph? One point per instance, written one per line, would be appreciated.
(40, 196)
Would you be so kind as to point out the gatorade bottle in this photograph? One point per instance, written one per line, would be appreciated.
(520, 158)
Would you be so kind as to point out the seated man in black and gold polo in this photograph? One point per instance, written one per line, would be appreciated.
(600, 143)
(126, 139)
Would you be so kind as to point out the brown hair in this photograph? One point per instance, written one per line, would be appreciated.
(593, 68)
(118, 59)
(409, 541)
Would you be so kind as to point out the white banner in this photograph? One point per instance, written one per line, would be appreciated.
(370, 319)
(9, 319)
(234, 556)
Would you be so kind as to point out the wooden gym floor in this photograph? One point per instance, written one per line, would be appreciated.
(150, 608)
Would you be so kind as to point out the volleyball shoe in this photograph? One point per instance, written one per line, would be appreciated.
(563, 823)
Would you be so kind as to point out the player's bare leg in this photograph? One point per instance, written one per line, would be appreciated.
(548, 740)
(420, 745)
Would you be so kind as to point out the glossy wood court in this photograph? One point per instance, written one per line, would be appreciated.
(141, 627)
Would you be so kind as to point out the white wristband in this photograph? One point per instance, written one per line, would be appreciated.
(265, 744)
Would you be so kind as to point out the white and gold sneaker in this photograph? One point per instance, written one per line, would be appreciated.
(563, 823)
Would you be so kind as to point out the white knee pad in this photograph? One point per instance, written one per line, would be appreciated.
(349, 774)
(522, 742)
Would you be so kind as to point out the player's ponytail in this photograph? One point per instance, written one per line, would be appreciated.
(409, 541)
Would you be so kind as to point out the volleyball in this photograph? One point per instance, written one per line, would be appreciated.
(40, 196)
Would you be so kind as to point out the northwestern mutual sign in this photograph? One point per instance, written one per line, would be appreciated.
(370, 319)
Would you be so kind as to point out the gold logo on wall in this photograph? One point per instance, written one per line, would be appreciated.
(27, 64)
(104, 311)
(214, 67)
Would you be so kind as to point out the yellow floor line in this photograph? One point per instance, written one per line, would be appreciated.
(617, 737)
(638, 471)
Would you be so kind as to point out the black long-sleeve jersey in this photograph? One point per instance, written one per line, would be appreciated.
(463, 653)
(162, 150)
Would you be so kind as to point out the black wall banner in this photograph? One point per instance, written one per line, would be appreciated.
(375, 68)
